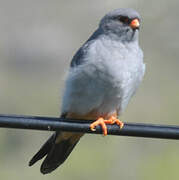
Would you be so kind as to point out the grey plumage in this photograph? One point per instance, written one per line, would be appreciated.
(105, 73)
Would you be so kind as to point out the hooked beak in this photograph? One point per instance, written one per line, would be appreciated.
(134, 24)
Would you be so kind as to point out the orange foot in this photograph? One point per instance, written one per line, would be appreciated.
(102, 122)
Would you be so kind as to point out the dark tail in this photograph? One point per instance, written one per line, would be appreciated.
(56, 149)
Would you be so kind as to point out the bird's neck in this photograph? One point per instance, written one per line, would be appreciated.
(118, 41)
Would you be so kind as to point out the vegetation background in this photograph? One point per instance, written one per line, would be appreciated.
(37, 41)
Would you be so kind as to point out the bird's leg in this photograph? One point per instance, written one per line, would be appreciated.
(102, 122)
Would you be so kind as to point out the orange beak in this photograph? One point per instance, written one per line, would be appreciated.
(135, 24)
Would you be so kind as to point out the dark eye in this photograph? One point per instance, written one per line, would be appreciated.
(124, 19)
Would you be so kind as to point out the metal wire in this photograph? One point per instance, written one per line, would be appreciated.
(62, 124)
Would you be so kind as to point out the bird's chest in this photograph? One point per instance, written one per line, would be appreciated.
(114, 68)
(112, 79)
(106, 80)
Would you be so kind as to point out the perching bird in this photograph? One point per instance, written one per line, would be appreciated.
(104, 75)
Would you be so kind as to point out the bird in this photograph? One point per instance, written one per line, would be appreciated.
(103, 76)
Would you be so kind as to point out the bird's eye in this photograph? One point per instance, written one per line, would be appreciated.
(124, 19)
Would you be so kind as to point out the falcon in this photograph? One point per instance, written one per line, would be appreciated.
(104, 75)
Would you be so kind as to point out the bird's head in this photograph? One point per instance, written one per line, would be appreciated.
(121, 23)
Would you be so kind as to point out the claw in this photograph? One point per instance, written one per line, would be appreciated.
(117, 121)
(102, 122)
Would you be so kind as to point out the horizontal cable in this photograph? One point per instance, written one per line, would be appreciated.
(62, 124)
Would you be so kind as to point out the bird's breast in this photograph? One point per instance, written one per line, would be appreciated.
(116, 65)
(117, 71)
(105, 82)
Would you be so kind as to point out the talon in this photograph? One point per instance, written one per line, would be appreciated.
(92, 129)
(100, 121)
(117, 121)
(121, 124)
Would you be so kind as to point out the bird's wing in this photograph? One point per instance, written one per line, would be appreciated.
(79, 57)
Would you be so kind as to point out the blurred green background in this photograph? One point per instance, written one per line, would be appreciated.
(37, 41)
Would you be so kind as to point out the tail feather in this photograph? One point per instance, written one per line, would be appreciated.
(57, 156)
(44, 150)
(57, 148)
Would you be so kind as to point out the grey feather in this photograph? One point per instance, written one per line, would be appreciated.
(79, 57)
